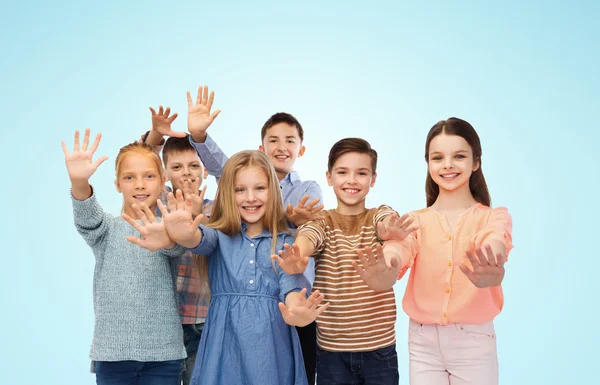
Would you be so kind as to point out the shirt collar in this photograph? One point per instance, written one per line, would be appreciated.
(291, 178)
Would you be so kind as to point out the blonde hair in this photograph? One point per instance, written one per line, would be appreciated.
(142, 149)
(225, 215)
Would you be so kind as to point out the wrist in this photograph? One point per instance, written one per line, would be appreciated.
(154, 137)
(199, 137)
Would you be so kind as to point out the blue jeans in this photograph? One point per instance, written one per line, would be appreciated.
(379, 367)
(138, 373)
(191, 340)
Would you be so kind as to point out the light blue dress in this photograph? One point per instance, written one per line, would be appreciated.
(245, 339)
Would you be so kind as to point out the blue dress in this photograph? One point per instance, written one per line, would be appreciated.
(245, 339)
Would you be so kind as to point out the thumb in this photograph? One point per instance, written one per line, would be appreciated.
(99, 161)
(214, 115)
(290, 209)
(197, 220)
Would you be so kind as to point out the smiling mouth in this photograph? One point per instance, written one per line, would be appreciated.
(141, 197)
(450, 176)
(251, 209)
(281, 157)
(351, 191)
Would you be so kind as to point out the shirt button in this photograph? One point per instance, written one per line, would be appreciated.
(447, 290)
(251, 281)
(449, 238)
(449, 263)
(445, 315)
(252, 245)
(251, 261)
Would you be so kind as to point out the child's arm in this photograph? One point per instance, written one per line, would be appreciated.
(199, 119)
(395, 228)
(294, 259)
(161, 126)
(492, 245)
(304, 211)
(80, 166)
(300, 311)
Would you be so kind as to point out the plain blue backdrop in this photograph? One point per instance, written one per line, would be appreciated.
(525, 74)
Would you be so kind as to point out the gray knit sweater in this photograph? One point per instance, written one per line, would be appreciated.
(135, 298)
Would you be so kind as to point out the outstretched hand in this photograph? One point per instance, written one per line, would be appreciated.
(153, 233)
(180, 224)
(303, 212)
(303, 311)
(199, 116)
(488, 270)
(79, 162)
(191, 190)
(290, 260)
(396, 229)
(161, 122)
(375, 271)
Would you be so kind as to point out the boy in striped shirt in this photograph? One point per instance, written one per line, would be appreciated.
(355, 335)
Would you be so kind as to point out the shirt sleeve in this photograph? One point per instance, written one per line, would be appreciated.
(208, 243)
(408, 249)
(314, 191)
(290, 282)
(315, 232)
(92, 223)
(382, 212)
(498, 227)
(157, 148)
(175, 252)
(211, 155)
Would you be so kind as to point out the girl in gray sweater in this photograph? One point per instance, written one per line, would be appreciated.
(137, 331)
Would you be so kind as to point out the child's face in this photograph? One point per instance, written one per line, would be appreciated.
(450, 162)
(139, 181)
(283, 146)
(184, 165)
(351, 177)
(251, 187)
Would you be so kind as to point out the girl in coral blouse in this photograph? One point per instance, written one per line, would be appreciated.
(456, 248)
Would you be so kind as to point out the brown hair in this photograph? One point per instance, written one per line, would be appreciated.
(281, 117)
(477, 184)
(176, 145)
(225, 216)
(351, 145)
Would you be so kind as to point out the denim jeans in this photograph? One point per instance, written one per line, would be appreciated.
(191, 340)
(378, 367)
(138, 373)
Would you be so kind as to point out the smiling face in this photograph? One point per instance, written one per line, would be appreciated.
(450, 162)
(184, 165)
(351, 177)
(283, 146)
(251, 186)
(139, 180)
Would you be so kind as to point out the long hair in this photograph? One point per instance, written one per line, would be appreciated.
(477, 184)
(225, 216)
(142, 149)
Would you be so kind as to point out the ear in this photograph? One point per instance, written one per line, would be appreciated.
(117, 185)
(373, 179)
(261, 149)
(476, 165)
(301, 152)
(328, 176)
(205, 173)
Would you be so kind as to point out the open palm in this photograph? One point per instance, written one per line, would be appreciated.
(80, 164)
(199, 116)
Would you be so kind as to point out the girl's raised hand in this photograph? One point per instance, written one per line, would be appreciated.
(375, 271)
(488, 270)
(178, 219)
(191, 190)
(161, 122)
(302, 311)
(153, 233)
(79, 163)
(290, 260)
(395, 228)
(199, 115)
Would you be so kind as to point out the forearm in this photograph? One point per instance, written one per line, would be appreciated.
(154, 138)
(81, 190)
(294, 298)
(307, 248)
(190, 242)
(498, 247)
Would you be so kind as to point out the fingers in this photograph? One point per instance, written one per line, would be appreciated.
(483, 261)
(362, 258)
(322, 309)
(474, 261)
(189, 99)
(357, 268)
(135, 240)
(491, 258)
(64, 147)
(205, 96)
(199, 96)
(163, 209)
(296, 250)
(500, 259)
(95, 144)
(140, 214)
(152, 110)
(277, 259)
(198, 220)
(284, 310)
(133, 223)
(99, 161)
(76, 140)
(211, 98)
(290, 210)
(202, 192)
(470, 274)
(312, 203)
(171, 202)
(214, 115)
(149, 214)
(86, 140)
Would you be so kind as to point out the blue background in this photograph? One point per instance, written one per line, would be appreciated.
(524, 74)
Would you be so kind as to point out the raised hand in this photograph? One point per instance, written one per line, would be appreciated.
(191, 190)
(153, 233)
(79, 163)
(301, 311)
(488, 270)
(303, 212)
(180, 225)
(199, 116)
(375, 271)
(161, 123)
(396, 229)
(290, 260)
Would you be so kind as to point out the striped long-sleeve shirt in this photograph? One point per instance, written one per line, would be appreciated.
(358, 319)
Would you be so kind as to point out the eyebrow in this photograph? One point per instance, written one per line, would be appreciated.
(287, 137)
(439, 152)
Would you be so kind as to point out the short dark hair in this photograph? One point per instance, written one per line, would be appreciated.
(281, 117)
(347, 145)
(174, 145)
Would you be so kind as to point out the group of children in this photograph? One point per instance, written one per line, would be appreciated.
(264, 286)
